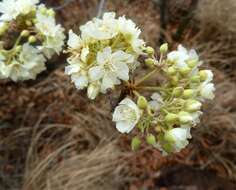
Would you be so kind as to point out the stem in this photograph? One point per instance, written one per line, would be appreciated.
(151, 88)
(146, 77)
(17, 41)
(136, 93)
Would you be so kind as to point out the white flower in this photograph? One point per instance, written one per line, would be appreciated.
(181, 55)
(25, 6)
(53, 44)
(93, 91)
(100, 29)
(74, 40)
(131, 33)
(78, 73)
(126, 115)
(25, 66)
(53, 34)
(207, 90)
(9, 10)
(178, 138)
(46, 24)
(111, 68)
(156, 102)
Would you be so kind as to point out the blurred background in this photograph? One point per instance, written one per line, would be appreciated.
(52, 138)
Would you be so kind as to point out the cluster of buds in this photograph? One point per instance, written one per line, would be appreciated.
(165, 120)
(28, 36)
(104, 55)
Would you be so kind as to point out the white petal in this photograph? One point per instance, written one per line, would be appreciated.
(84, 53)
(122, 71)
(124, 127)
(74, 40)
(96, 73)
(80, 81)
(72, 69)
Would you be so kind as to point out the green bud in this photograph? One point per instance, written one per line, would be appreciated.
(28, 23)
(142, 102)
(4, 28)
(25, 33)
(185, 70)
(192, 63)
(158, 128)
(135, 143)
(171, 70)
(149, 62)
(164, 48)
(151, 140)
(178, 91)
(150, 50)
(167, 147)
(171, 118)
(203, 75)
(18, 48)
(174, 80)
(184, 117)
(188, 93)
(32, 39)
(51, 12)
(193, 105)
(43, 10)
(195, 79)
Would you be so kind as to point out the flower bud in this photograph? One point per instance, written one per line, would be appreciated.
(171, 118)
(188, 93)
(164, 48)
(142, 102)
(174, 80)
(135, 143)
(178, 91)
(25, 33)
(51, 12)
(195, 79)
(203, 75)
(149, 62)
(151, 140)
(28, 23)
(192, 63)
(193, 105)
(185, 117)
(150, 50)
(184, 70)
(171, 70)
(3, 28)
(18, 48)
(32, 39)
(43, 10)
(92, 91)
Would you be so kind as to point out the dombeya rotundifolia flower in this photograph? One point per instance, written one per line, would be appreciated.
(126, 115)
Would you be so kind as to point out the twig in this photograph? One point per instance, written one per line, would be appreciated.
(163, 4)
(101, 8)
(66, 2)
(183, 25)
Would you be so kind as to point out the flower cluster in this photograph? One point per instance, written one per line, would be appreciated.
(28, 35)
(104, 54)
(174, 107)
